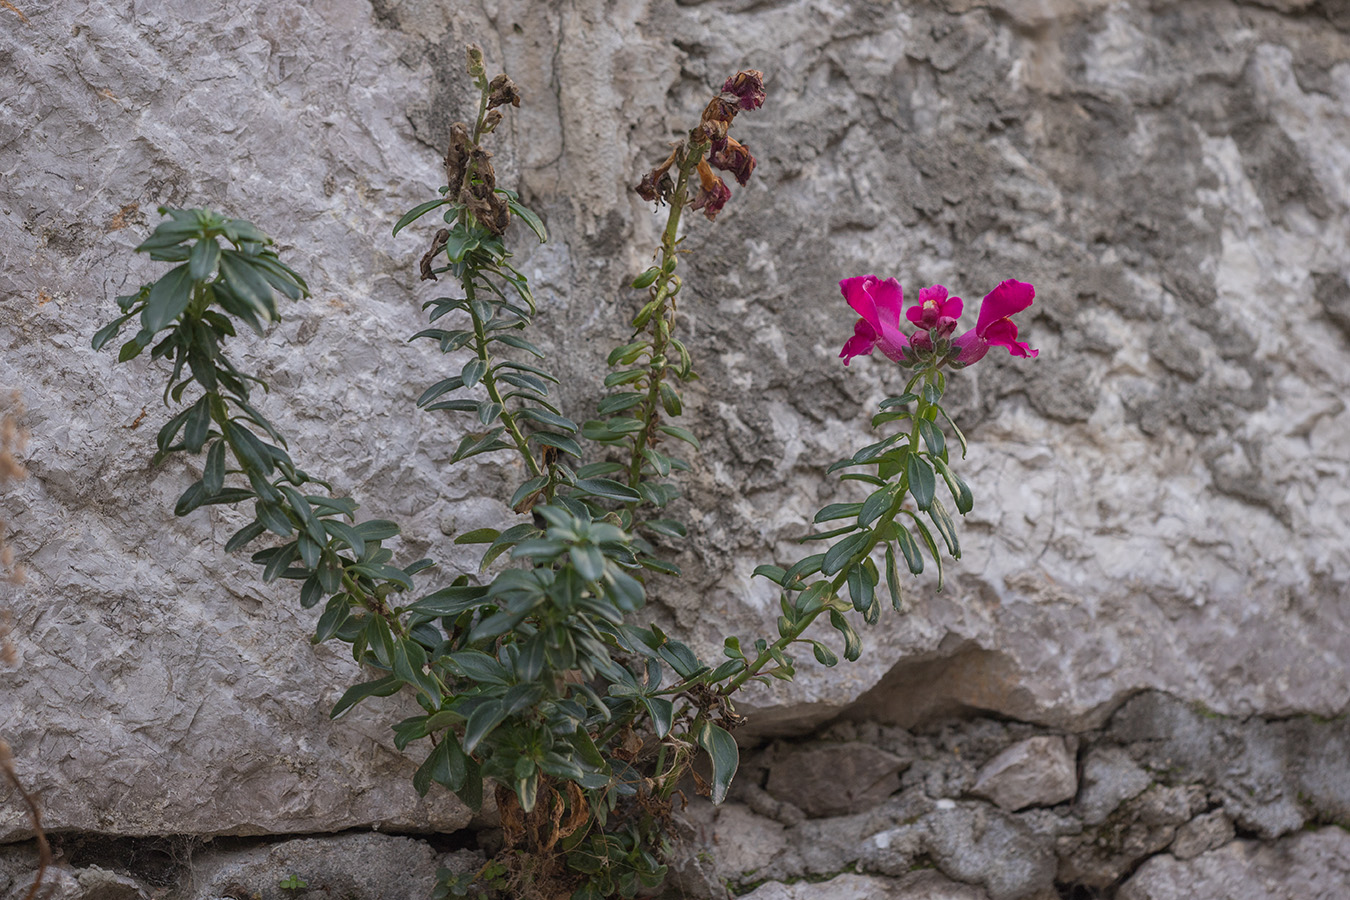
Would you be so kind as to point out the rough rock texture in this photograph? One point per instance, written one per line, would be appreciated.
(350, 866)
(1161, 496)
(1310, 866)
(918, 886)
(1039, 771)
(832, 779)
(1141, 801)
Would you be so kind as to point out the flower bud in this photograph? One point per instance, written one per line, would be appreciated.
(921, 342)
(491, 121)
(475, 53)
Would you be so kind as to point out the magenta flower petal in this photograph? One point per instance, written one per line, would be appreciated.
(1008, 298)
(861, 344)
(934, 306)
(879, 303)
(969, 348)
(1003, 333)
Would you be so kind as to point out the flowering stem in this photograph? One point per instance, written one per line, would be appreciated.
(662, 318)
(490, 383)
(796, 630)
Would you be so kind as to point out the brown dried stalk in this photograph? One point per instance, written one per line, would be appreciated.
(34, 815)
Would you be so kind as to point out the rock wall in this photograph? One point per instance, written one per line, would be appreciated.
(1161, 497)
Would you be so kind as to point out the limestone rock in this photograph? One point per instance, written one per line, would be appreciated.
(1151, 173)
(368, 866)
(1306, 866)
(1039, 771)
(1110, 776)
(831, 779)
(917, 886)
(1203, 833)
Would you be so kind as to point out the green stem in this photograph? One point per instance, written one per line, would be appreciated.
(662, 320)
(490, 383)
(752, 669)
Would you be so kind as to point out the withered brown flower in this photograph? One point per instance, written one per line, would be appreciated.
(748, 86)
(713, 192)
(501, 91)
(730, 155)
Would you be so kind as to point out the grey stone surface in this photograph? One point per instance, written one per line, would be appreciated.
(1039, 771)
(1100, 855)
(1160, 496)
(355, 866)
(1207, 832)
(918, 886)
(1307, 866)
(1110, 776)
(1270, 776)
(831, 779)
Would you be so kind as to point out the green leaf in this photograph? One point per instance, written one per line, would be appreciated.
(662, 712)
(347, 535)
(960, 436)
(485, 717)
(544, 417)
(416, 213)
(519, 343)
(109, 331)
(839, 555)
(931, 544)
(244, 535)
(670, 528)
(189, 500)
(721, 748)
(773, 573)
(608, 489)
(473, 371)
(824, 655)
(453, 383)
(811, 599)
(852, 640)
(670, 400)
(168, 299)
(645, 280)
(377, 529)
(565, 444)
(213, 476)
(529, 218)
(198, 424)
(946, 527)
(965, 501)
(335, 615)
(478, 536)
(876, 503)
(450, 601)
(203, 259)
(237, 271)
(682, 434)
(861, 590)
(932, 436)
(384, 687)
(893, 580)
(838, 511)
(922, 482)
(588, 560)
(910, 549)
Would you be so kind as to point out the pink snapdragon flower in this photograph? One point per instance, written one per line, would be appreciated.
(936, 313)
(995, 327)
(879, 305)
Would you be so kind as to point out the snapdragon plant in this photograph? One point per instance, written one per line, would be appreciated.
(539, 685)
